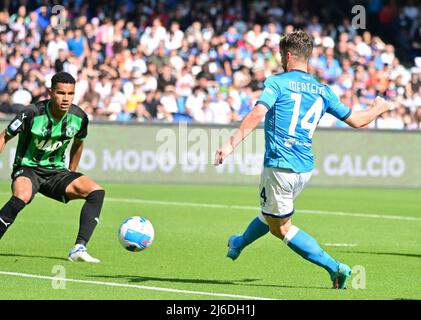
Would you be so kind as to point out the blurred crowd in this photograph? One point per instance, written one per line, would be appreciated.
(205, 61)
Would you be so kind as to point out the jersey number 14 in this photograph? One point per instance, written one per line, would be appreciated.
(315, 109)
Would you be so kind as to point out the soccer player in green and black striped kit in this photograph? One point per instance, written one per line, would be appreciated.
(45, 129)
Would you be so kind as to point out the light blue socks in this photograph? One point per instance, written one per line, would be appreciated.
(307, 247)
(254, 231)
(299, 241)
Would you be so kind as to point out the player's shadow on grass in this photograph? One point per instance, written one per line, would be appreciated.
(15, 255)
(412, 255)
(242, 282)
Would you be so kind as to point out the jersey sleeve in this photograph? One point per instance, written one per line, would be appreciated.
(83, 132)
(335, 107)
(270, 93)
(21, 122)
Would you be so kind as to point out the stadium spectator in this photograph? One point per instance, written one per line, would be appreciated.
(183, 57)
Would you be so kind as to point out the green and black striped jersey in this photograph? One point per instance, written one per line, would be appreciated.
(42, 140)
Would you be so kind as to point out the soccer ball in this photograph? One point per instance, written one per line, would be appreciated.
(136, 233)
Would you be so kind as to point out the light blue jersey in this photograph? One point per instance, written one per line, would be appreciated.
(296, 102)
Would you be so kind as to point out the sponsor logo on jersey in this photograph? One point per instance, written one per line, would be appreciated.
(48, 145)
(289, 142)
(44, 132)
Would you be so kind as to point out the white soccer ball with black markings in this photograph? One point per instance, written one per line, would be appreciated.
(136, 234)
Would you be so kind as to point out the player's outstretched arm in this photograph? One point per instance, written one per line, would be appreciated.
(361, 118)
(248, 124)
(4, 137)
(75, 154)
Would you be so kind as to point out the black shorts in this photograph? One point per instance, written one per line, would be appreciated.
(51, 183)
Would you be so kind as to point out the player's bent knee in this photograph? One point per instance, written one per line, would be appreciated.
(25, 197)
(275, 230)
(96, 195)
(284, 230)
(93, 186)
(280, 231)
(97, 187)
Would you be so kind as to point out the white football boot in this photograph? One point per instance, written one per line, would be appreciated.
(79, 253)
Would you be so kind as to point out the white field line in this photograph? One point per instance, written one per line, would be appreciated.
(224, 206)
(236, 207)
(339, 244)
(115, 284)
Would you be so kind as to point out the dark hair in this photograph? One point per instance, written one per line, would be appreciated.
(299, 43)
(62, 77)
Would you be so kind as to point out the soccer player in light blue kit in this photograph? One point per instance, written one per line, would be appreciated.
(292, 103)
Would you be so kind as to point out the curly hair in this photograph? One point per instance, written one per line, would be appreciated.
(299, 43)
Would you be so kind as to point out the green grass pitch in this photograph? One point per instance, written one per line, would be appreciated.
(376, 231)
